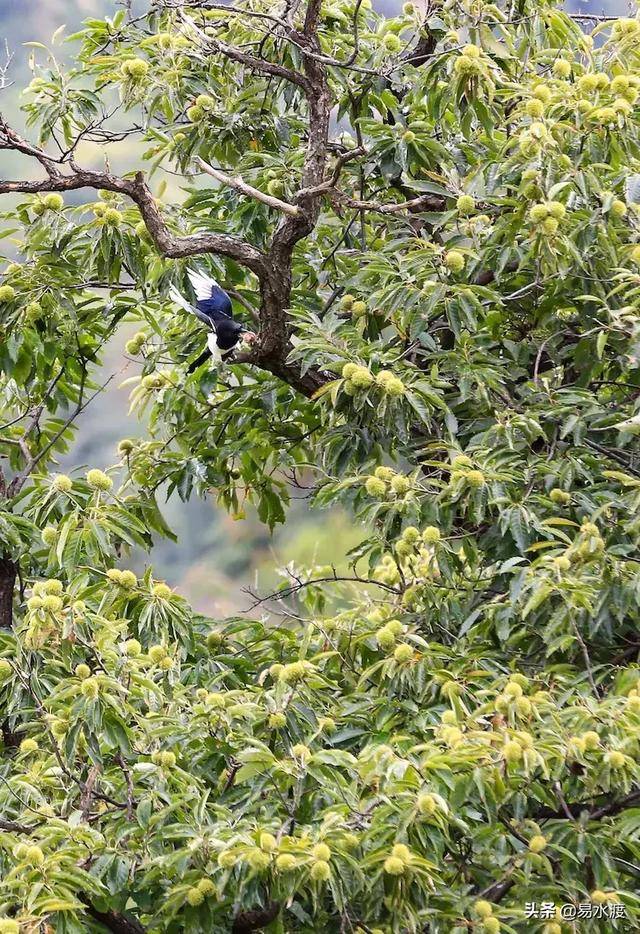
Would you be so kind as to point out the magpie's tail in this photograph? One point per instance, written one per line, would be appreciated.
(204, 356)
(179, 299)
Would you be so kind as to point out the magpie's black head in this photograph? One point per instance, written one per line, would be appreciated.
(228, 333)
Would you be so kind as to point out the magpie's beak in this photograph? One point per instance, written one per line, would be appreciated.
(249, 337)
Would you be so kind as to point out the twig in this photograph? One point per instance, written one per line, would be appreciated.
(300, 585)
(129, 780)
(424, 202)
(536, 367)
(593, 17)
(341, 161)
(557, 787)
(587, 660)
(4, 69)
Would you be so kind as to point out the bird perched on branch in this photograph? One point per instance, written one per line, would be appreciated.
(213, 307)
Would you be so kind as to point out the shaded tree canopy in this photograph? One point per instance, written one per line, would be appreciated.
(432, 223)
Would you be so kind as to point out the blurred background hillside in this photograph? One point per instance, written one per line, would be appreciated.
(215, 557)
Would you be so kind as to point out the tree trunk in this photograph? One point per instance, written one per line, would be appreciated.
(8, 572)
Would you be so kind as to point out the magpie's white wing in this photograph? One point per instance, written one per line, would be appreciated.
(202, 283)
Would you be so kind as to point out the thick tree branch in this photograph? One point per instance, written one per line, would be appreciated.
(275, 346)
(115, 921)
(307, 384)
(8, 574)
(248, 921)
(12, 826)
(136, 188)
(609, 808)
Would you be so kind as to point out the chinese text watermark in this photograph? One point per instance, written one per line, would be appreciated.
(571, 912)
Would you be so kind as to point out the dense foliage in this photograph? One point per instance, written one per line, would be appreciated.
(440, 247)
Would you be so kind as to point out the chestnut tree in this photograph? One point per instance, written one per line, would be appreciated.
(432, 222)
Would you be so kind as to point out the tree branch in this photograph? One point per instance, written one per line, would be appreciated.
(424, 202)
(8, 574)
(259, 65)
(114, 921)
(239, 185)
(300, 585)
(11, 826)
(609, 808)
(287, 32)
(587, 659)
(275, 344)
(331, 182)
(137, 190)
(255, 920)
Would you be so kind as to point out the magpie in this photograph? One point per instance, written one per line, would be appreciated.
(213, 307)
